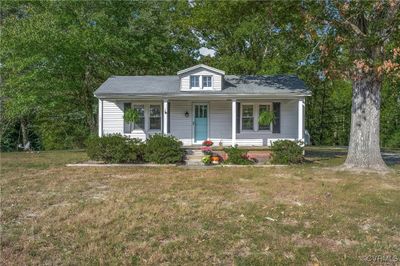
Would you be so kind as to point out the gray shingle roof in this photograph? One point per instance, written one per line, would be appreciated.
(233, 85)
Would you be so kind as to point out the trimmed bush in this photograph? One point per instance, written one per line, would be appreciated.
(114, 149)
(237, 156)
(287, 152)
(163, 149)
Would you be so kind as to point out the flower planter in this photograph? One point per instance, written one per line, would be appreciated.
(207, 143)
(215, 159)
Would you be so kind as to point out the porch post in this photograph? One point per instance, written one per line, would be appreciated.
(233, 122)
(165, 117)
(300, 120)
(100, 116)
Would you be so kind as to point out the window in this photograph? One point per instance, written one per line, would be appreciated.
(247, 117)
(140, 123)
(127, 126)
(194, 81)
(207, 82)
(155, 116)
(263, 108)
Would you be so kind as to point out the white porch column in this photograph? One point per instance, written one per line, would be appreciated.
(233, 122)
(165, 116)
(100, 116)
(301, 120)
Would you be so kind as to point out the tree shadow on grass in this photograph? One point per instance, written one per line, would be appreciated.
(336, 156)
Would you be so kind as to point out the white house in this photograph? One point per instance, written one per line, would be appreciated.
(201, 103)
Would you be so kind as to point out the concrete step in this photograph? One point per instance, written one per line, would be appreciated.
(194, 163)
(195, 157)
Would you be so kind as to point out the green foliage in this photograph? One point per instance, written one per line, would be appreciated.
(287, 152)
(114, 149)
(393, 141)
(265, 118)
(163, 149)
(55, 54)
(237, 156)
(131, 116)
(328, 112)
(206, 159)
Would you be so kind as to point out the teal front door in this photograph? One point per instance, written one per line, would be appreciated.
(200, 122)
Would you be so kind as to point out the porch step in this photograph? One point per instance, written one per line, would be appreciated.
(193, 157)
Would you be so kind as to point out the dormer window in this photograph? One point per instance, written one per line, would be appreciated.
(207, 82)
(201, 77)
(194, 81)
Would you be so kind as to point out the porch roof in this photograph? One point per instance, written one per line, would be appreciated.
(277, 85)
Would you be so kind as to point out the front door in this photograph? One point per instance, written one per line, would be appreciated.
(200, 122)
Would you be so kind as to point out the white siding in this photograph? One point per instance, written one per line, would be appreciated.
(220, 123)
(113, 122)
(288, 128)
(216, 78)
(181, 126)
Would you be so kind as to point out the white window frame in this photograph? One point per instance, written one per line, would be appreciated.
(161, 116)
(258, 114)
(241, 116)
(211, 81)
(146, 128)
(144, 117)
(199, 79)
(256, 110)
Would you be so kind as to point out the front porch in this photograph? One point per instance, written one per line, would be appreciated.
(224, 121)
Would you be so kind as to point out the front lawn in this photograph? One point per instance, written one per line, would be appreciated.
(52, 214)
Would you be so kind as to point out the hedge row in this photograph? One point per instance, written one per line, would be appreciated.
(119, 149)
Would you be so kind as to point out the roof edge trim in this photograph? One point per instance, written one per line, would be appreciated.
(180, 72)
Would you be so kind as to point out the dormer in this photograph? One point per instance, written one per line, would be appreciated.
(201, 77)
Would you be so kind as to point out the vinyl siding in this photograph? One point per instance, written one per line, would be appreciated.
(216, 78)
(113, 122)
(263, 138)
(181, 126)
(220, 122)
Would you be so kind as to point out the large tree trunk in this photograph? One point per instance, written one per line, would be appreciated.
(364, 150)
(24, 131)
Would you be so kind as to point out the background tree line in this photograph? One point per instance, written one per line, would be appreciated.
(53, 56)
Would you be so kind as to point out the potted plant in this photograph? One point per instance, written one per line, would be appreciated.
(215, 159)
(131, 116)
(265, 118)
(208, 143)
(207, 150)
(206, 159)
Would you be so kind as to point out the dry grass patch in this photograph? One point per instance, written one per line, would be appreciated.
(53, 214)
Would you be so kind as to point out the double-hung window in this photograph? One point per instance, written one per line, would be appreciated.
(263, 108)
(247, 117)
(207, 82)
(155, 117)
(194, 81)
(140, 123)
(127, 126)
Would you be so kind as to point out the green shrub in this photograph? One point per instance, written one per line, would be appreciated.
(163, 149)
(237, 156)
(393, 141)
(114, 149)
(287, 152)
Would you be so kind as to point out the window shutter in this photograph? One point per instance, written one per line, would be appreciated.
(169, 118)
(276, 125)
(237, 117)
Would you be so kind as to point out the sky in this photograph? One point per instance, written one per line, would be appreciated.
(205, 51)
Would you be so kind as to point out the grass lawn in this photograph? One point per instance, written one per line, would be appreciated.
(308, 214)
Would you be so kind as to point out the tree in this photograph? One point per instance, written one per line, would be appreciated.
(357, 40)
(55, 54)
